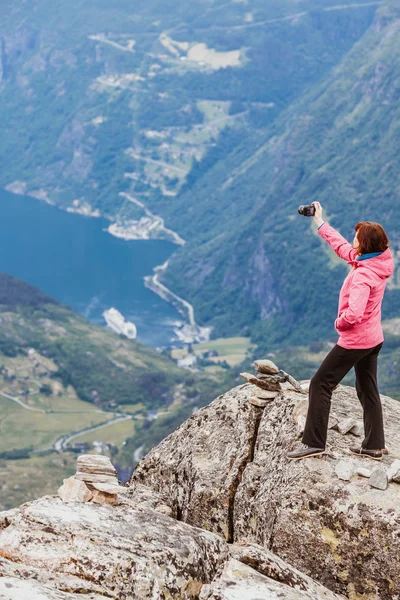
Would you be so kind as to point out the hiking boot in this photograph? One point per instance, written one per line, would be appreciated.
(304, 451)
(374, 454)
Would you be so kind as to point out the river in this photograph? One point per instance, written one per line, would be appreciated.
(73, 259)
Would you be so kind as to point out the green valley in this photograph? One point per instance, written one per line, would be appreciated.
(64, 383)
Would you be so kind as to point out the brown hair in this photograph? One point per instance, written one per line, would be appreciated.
(371, 237)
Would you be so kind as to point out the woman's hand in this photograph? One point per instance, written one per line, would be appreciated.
(318, 213)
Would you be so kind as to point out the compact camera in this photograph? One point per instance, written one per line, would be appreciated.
(307, 211)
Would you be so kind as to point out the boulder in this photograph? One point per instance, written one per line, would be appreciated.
(270, 565)
(225, 470)
(48, 547)
(199, 467)
(12, 588)
(105, 551)
(241, 582)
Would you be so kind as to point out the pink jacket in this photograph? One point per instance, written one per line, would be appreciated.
(359, 316)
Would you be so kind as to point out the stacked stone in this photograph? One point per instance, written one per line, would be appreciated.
(269, 379)
(95, 481)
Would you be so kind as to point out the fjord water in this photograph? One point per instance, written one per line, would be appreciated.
(73, 259)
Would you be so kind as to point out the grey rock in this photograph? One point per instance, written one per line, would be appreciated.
(198, 468)
(393, 472)
(107, 551)
(346, 425)
(240, 582)
(107, 488)
(378, 479)
(333, 422)
(225, 469)
(300, 410)
(141, 497)
(96, 468)
(266, 366)
(364, 472)
(264, 394)
(294, 383)
(261, 403)
(344, 470)
(74, 490)
(99, 497)
(301, 423)
(264, 384)
(358, 429)
(12, 588)
(270, 565)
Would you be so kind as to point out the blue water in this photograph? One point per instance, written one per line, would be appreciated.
(75, 261)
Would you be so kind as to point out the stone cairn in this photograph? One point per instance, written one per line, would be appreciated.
(269, 380)
(95, 481)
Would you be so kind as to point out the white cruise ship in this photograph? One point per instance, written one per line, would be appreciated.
(118, 323)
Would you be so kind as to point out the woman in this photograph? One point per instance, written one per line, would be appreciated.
(360, 338)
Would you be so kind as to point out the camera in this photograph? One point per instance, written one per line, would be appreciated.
(307, 211)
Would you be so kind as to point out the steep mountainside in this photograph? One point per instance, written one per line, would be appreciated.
(131, 98)
(63, 381)
(256, 259)
(221, 117)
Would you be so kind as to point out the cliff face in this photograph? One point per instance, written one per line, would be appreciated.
(215, 512)
(225, 470)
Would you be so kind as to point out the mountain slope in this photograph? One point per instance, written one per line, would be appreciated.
(63, 381)
(256, 259)
(116, 99)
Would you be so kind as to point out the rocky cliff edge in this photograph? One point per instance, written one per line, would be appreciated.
(215, 512)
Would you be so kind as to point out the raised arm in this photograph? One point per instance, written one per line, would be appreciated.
(336, 241)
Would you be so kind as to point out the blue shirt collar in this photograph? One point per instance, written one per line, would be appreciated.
(370, 255)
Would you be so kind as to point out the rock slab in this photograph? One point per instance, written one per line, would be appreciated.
(108, 551)
(241, 582)
(225, 469)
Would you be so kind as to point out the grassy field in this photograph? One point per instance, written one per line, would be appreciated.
(24, 480)
(116, 433)
(232, 350)
(21, 428)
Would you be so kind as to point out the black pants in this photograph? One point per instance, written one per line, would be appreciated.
(335, 366)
